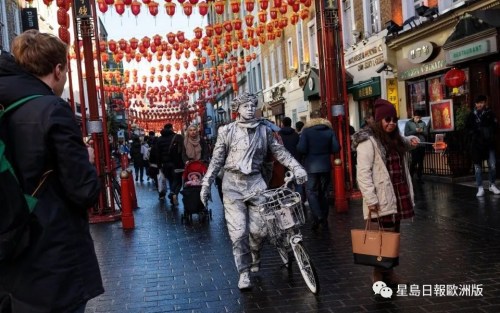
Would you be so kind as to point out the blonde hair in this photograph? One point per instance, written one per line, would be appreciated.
(39, 53)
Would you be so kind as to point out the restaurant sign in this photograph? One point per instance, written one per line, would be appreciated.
(422, 69)
(473, 50)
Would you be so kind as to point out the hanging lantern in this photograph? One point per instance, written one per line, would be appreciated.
(235, 6)
(203, 60)
(135, 7)
(203, 8)
(307, 3)
(249, 5)
(112, 45)
(262, 16)
(134, 43)
(270, 27)
(188, 8)
(180, 36)
(64, 34)
(304, 13)
(218, 29)
(239, 34)
(219, 6)
(146, 42)
(496, 68)
(193, 2)
(273, 13)
(47, 2)
(283, 8)
(198, 32)
(277, 3)
(103, 7)
(153, 8)
(237, 24)
(249, 20)
(264, 4)
(283, 22)
(454, 78)
(209, 30)
(228, 26)
(146, 2)
(171, 38)
(294, 19)
(62, 17)
(250, 32)
(122, 44)
(120, 7)
(170, 8)
(261, 28)
(157, 40)
(66, 4)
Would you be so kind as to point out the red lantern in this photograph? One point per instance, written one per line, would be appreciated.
(273, 13)
(249, 20)
(294, 19)
(193, 2)
(171, 38)
(307, 3)
(188, 8)
(264, 4)
(454, 78)
(198, 32)
(249, 5)
(153, 8)
(170, 8)
(304, 13)
(203, 8)
(112, 45)
(277, 3)
(103, 7)
(219, 6)
(64, 34)
(262, 16)
(218, 29)
(135, 7)
(496, 68)
(228, 26)
(237, 24)
(295, 7)
(119, 7)
(134, 43)
(283, 8)
(146, 42)
(235, 6)
(180, 37)
(62, 17)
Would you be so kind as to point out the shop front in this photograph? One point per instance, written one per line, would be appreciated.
(365, 93)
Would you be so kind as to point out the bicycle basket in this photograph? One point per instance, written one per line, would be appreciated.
(282, 210)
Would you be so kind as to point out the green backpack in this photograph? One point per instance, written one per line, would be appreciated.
(17, 207)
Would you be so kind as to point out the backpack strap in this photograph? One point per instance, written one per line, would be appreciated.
(16, 104)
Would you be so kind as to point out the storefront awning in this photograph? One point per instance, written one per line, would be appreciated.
(365, 89)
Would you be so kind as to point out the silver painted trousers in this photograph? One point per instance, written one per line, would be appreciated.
(244, 223)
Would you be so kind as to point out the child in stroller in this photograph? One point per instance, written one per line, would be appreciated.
(192, 176)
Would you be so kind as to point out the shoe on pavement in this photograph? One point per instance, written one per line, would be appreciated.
(255, 262)
(494, 189)
(244, 282)
(480, 192)
(174, 199)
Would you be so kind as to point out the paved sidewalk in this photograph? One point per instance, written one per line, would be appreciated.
(165, 266)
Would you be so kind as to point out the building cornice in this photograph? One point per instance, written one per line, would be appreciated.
(442, 22)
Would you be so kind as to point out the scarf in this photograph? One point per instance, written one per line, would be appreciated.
(193, 148)
(245, 164)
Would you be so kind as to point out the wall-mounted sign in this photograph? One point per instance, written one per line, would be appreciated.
(420, 52)
(472, 50)
(363, 55)
(29, 18)
(392, 92)
(82, 8)
(423, 69)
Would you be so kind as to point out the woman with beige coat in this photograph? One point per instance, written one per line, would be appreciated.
(383, 176)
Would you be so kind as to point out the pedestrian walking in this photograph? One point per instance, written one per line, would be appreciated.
(137, 158)
(481, 125)
(153, 169)
(241, 148)
(289, 137)
(58, 271)
(195, 147)
(169, 149)
(317, 143)
(383, 175)
(417, 127)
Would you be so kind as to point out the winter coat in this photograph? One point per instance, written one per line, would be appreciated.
(169, 153)
(411, 129)
(481, 128)
(290, 140)
(373, 177)
(204, 151)
(317, 143)
(58, 271)
(136, 153)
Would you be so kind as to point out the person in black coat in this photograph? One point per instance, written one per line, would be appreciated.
(137, 158)
(58, 271)
(289, 137)
(481, 125)
(317, 143)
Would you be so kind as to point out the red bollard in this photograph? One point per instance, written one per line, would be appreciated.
(127, 214)
(340, 198)
(124, 161)
(133, 196)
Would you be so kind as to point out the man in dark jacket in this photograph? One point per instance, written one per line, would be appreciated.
(481, 125)
(289, 137)
(417, 127)
(317, 143)
(58, 272)
(169, 149)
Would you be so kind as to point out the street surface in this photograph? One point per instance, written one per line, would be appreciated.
(451, 246)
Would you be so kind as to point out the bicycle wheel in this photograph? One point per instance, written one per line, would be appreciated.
(306, 267)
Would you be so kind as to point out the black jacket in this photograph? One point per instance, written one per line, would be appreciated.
(169, 149)
(290, 140)
(481, 127)
(59, 270)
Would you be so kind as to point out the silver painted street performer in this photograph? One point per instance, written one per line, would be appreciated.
(241, 148)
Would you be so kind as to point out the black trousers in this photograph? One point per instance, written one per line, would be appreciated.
(174, 179)
(417, 162)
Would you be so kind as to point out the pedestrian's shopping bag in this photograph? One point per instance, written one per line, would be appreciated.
(375, 247)
(162, 182)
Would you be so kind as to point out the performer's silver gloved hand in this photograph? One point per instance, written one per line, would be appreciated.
(300, 175)
(205, 195)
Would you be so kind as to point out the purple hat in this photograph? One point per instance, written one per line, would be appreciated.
(384, 108)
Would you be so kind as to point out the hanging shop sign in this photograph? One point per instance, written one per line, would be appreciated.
(392, 92)
(420, 52)
(472, 50)
(29, 18)
(82, 8)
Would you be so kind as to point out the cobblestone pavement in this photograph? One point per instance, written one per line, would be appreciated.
(164, 265)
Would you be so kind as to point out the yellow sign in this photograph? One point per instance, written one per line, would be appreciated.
(392, 92)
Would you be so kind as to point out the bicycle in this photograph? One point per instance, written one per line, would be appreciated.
(284, 215)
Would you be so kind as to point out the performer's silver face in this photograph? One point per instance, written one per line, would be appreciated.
(247, 111)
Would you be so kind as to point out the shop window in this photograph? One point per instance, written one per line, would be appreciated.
(417, 94)
(436, 88)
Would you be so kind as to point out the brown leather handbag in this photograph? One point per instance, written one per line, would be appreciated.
(375, 247)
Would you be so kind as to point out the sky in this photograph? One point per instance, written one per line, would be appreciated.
(128, 25)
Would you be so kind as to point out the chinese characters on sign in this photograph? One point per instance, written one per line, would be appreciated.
(392, 92)
(82, 8)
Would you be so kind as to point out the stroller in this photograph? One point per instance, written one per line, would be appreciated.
(192, 176)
